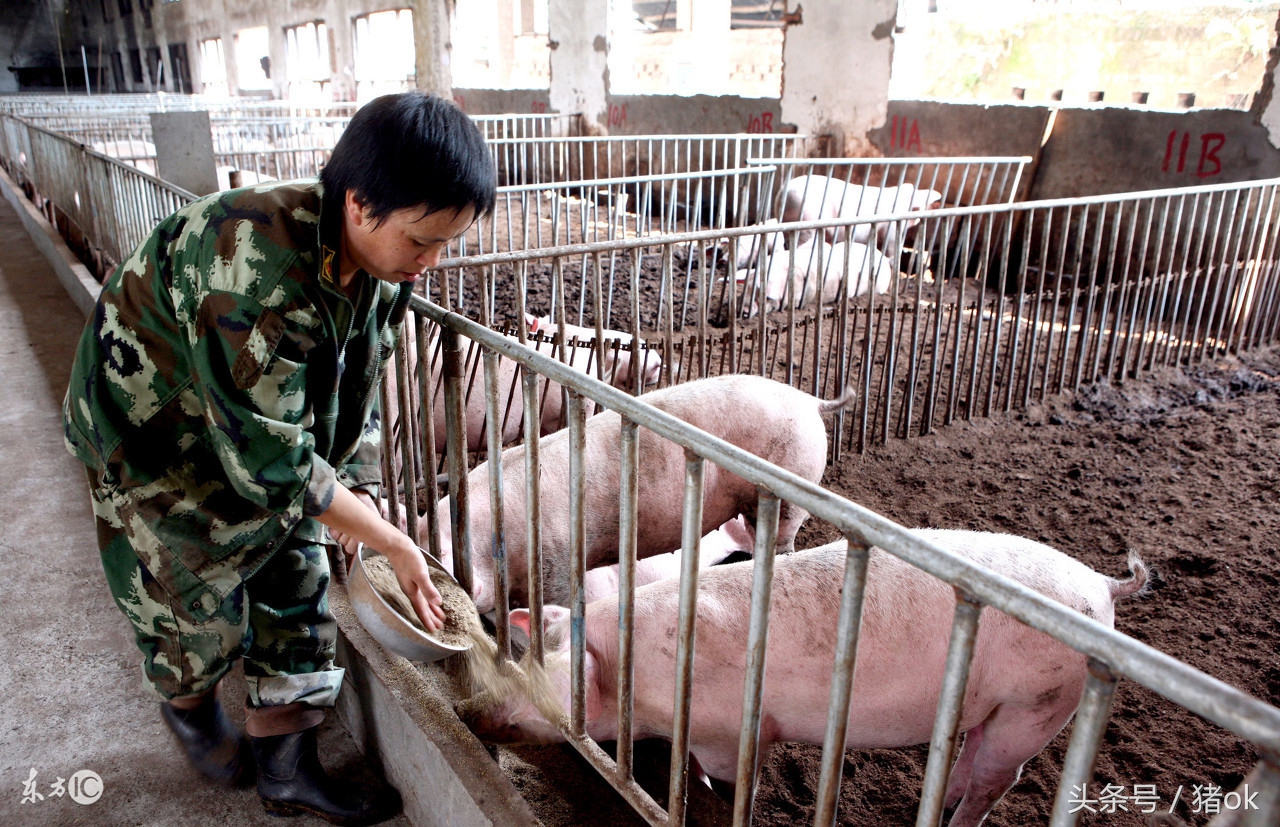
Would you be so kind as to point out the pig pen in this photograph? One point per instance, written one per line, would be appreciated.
(1062, 331)
(893, 777)
(1180, 466)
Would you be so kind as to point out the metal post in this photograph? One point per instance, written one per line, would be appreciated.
(1086, 737)
(842, 675)
(946, 725)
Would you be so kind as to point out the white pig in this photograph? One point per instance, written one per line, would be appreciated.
(774, 421)
(818, 263)
(1023, 686)
(733, 536)
(815, 197)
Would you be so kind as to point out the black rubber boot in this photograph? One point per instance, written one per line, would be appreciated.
(291, 781)
(214, 746)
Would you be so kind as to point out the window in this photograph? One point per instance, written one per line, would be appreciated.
(213, 67)
(181, 68)
(307, 59)
(384, 53)
(757, 14)
(155, 65)
(135, 64)
(253, 61)
(126, 7)
(533, 16)
(655, 15)
(117, 71)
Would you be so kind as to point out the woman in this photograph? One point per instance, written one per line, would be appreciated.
(223, 401)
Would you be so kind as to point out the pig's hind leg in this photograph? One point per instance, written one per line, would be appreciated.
(790, 518)
(991, 759)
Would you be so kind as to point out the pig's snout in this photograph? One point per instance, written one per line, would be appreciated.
(480, 715)
(496, 720)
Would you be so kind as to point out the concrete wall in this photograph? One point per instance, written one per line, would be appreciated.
(26, 39)
(976, 51)
(1101, 150)
(1090, 150)
(579, 37)
(836, 62)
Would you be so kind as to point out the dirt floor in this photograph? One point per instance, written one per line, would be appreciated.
(1181, 467)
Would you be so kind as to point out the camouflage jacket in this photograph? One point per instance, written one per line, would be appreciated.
(224, 386)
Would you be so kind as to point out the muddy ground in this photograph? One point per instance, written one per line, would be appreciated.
(1181, 467)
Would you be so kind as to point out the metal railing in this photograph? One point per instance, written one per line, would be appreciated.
(535, 216)
(1045, 297)
(548, 159)
(1112, 655)
(959, 181)
(111, 206)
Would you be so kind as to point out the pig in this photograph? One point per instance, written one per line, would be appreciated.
(617, 371)
(818, 263)
(778, 423)
(815, 197)
(729, 539)
(1023, 686)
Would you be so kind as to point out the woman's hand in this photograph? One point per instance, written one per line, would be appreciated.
(414, 576)
(354, 518)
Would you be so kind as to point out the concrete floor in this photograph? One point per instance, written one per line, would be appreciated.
(73, 694)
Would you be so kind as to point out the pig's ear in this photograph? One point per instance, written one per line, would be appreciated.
(520, 619)
(550, 614)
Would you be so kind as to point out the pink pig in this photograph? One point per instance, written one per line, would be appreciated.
(1023, 687)
(774, 421)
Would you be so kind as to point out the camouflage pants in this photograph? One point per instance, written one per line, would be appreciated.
(277, 621)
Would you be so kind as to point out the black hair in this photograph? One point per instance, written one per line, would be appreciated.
(411, 150)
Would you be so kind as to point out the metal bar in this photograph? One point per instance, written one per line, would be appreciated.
(533, 507)
(757, 646)
(455, 428)
(946, 725)
(501, 586)
(679, 781)
(848, 630)
(405, 407)
(577, 560)
(1086, 738)
(628, 504)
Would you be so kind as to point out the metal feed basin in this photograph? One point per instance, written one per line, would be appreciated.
(386, 625)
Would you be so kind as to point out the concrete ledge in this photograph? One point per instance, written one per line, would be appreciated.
(80, 284)
(406, 720)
